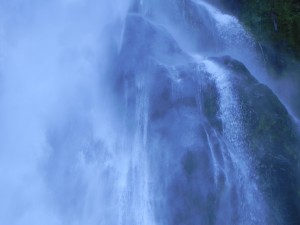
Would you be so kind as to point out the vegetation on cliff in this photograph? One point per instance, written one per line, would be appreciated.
(276, 22)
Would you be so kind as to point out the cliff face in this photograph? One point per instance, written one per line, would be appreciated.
(214, 134)
(275, 24)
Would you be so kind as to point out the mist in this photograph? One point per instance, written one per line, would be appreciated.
(140, 113)
(54, 55)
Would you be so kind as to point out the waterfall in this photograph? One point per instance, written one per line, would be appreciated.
(230, 112)
(140, 113)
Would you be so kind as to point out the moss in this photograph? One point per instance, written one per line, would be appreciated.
(264, 124)
(274, 21)
(271, 141)
(275, 24)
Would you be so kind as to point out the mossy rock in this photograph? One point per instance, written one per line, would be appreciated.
(272, 140)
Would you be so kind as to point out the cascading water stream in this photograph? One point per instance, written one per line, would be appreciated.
(139, 113)
(253, 204)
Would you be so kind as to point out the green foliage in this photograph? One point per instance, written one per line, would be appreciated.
(275, 21)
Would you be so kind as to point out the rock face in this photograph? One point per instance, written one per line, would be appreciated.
(220, 147)
(272, 141)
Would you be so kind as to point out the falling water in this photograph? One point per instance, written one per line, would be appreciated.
(128, 113)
